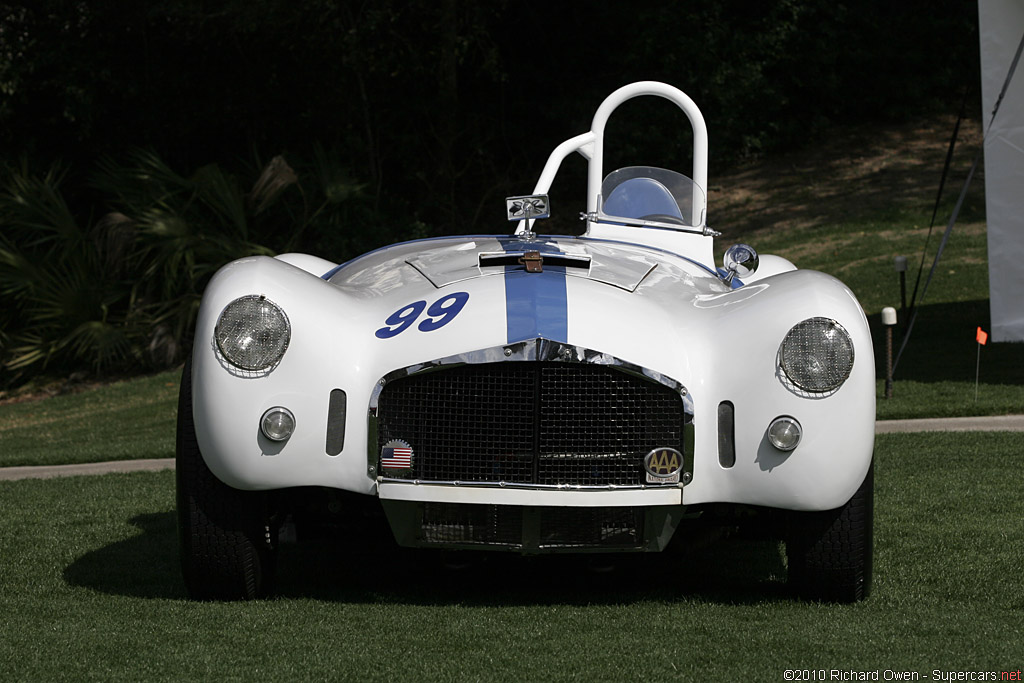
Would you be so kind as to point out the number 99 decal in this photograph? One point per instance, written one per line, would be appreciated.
(440, 313)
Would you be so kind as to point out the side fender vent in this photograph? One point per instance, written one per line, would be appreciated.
(336, 422)
(726, 434)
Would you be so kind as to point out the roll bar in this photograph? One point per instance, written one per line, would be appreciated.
(591, 144)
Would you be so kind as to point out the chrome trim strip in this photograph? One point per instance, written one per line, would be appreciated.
(667, 496)
(600, 216)
(531, 487)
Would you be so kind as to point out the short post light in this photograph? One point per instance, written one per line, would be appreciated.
(889, 321)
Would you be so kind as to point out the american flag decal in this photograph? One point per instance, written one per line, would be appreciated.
(396, 455)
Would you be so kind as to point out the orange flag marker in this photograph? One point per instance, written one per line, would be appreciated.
(982, 337)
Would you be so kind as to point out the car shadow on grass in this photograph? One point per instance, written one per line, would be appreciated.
(367, 567)
(143, 566)
(732, 572)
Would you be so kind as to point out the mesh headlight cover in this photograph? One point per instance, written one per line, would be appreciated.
(817, 355)
(252, 333)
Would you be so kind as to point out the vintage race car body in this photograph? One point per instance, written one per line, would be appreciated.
(535, 393)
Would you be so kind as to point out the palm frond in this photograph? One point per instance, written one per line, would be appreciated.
(32, 208)
(221, 194)
(126, 291)
(114, 237)
(334, 177)
(276, 177)
(99, 343)
(19, 275)
(144, 179)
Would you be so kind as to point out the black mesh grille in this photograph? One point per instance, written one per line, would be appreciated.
(530, 423)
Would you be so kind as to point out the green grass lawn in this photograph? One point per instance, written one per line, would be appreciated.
(948, 399)
(121, 421)
(90, 590)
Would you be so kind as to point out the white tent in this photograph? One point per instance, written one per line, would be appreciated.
(1001, 25)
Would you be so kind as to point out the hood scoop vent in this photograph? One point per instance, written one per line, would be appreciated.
(604, 263)
(529, 258)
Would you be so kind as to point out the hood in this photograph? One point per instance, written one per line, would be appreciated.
(448, 261)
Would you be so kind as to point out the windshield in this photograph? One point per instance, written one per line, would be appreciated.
(652, 195)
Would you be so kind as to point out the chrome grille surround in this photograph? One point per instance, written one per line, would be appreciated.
(556, 416)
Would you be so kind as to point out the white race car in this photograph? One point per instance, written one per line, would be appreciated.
(534, 394)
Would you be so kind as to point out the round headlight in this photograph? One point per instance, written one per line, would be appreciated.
(817, 355)
(253, 333)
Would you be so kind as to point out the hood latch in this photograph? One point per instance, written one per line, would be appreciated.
(533, 261)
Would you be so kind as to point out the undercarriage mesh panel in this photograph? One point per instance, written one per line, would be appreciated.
(529, 423)
(532, 527)
(451, 523)
(620, 527)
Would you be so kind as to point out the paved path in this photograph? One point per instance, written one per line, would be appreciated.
(50, 471)
(997, 423)
(1001, 423)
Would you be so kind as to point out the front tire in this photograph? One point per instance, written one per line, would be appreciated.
(830, 553)
(224, 533)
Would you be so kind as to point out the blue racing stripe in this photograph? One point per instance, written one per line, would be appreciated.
(536, 304)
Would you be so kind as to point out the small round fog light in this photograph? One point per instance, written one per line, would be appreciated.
(785, 433)
(277, 424)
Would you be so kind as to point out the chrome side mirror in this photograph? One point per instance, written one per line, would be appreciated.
(527, 208)
(740, 260)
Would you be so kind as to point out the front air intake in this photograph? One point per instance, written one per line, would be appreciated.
(537, 422)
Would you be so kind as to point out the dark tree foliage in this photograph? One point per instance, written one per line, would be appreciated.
(416, 117)
(440, 105)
